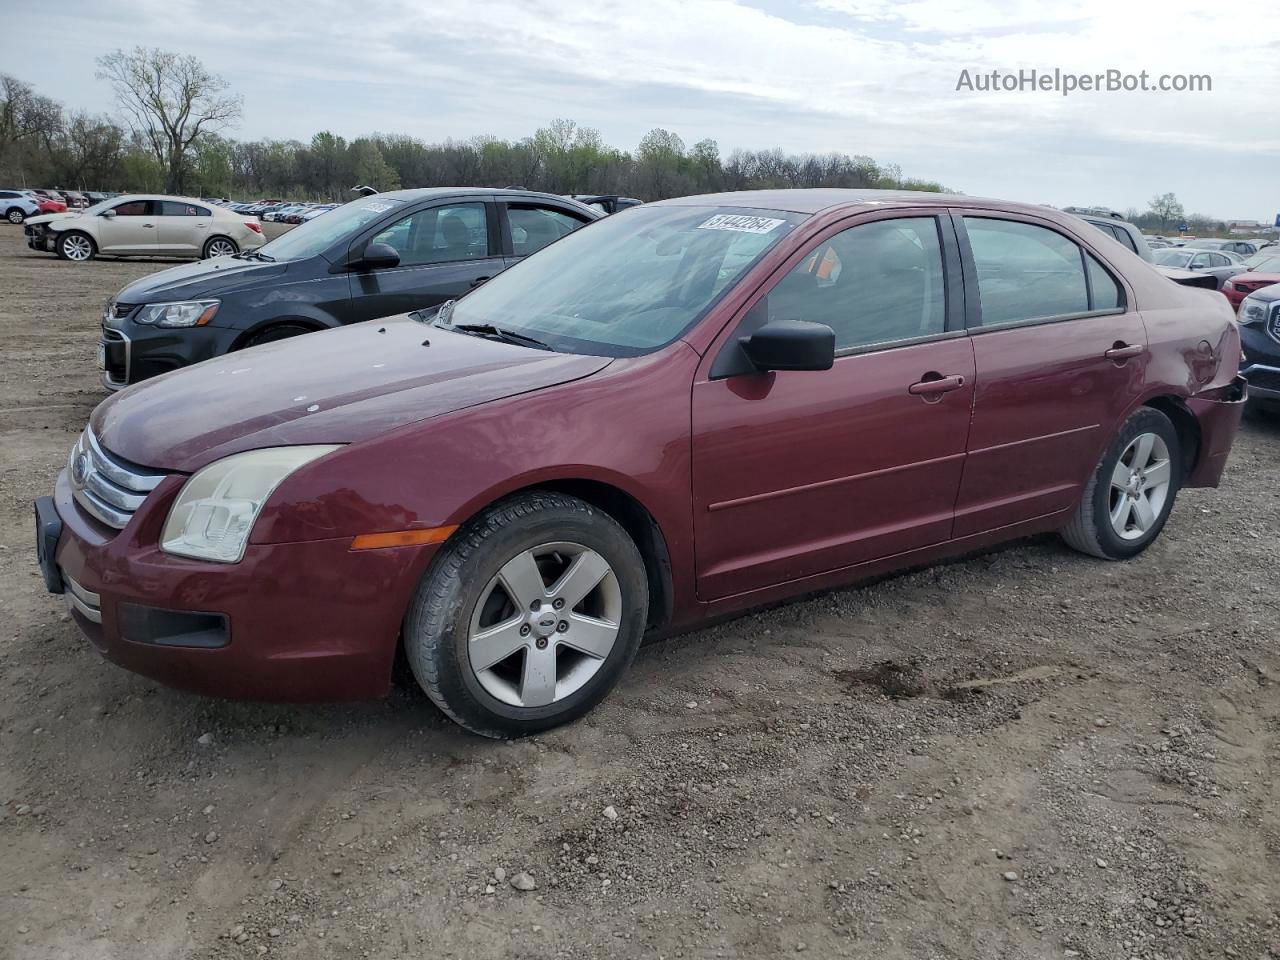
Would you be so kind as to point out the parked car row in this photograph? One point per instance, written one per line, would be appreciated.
(660, 418)
(16, 205)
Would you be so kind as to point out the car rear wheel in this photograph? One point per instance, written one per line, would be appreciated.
(220, 247)
(15, 215)
(529, 615)
(76, 246)
(1131, 493)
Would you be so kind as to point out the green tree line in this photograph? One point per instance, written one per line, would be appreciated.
(45, 144)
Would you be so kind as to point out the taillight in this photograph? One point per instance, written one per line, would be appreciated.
(255, 227)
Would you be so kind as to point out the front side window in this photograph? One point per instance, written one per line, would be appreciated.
(457, 231)
(875, 283)
(630, 283)
(1025, 272)
(135, 208)
(533, 228)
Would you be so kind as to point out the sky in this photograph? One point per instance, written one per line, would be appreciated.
(873, 77)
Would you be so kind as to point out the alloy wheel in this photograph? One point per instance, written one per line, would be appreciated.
(77, 248)
(221, 248)
(15, 216)
(1140, 486)
(544, 624)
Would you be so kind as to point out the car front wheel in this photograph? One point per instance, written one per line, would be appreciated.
(529, 615)
(1131, 492)
(15, 215)
(76, 246)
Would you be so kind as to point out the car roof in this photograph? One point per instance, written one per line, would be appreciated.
(819, 199)
(424, 192)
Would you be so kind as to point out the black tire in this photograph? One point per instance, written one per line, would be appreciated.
(277, 331)
(205, 254)
(65, 240)
(1090, 530)
(436, 629)
(15, 215)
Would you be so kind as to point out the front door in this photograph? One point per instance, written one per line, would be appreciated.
(132, 230)
(1060, 359)
(799, 473)
(444, 250)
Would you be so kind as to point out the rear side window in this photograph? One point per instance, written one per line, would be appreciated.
(174, 208)
(875, 283)
(1025, 272)
(1106, 293)
(532, 228)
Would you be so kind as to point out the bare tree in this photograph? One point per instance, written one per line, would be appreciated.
(170, 100)
(25, 115)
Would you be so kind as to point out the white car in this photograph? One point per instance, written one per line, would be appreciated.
(17, 205)
(145, 226)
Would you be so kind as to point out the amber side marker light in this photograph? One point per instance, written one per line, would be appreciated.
(402, 538)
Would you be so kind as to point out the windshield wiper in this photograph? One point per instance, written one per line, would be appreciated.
(489, 330)
(253, 254)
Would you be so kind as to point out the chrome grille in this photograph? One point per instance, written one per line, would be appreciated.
(105, 487)
(1273, 321)
(87, 603)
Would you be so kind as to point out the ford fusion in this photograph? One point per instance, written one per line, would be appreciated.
(686, 410)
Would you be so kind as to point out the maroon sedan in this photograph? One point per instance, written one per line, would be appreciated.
(680, 412)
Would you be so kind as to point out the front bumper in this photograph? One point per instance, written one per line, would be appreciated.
(1261, 343)
(292, 622)
(39, 237)
(130, 352)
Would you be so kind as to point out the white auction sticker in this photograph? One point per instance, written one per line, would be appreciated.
(378, 206)
(740, 223)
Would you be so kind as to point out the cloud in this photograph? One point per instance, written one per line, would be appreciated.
(864, 76)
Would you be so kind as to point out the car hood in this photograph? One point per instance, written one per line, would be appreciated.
(54, 217)
(201, 278)
(340, 386)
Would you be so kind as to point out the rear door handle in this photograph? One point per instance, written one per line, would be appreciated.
(933, 386)
(148, 225)
(1123, 351)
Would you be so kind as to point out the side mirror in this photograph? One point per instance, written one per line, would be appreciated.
(377, 256)
(791, 345)
(109, 214)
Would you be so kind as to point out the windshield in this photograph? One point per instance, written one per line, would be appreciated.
(627, 284)
(308, 239)
(1172, 258)
(1264, 262)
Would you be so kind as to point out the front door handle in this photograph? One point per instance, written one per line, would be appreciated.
(1123, 351)
(478, 280)
(148, 225)
(934, 385)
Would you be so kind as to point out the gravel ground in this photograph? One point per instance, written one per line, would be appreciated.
(1025, 754)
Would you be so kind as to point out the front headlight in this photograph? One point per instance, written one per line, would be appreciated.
(186, 313)
(215, 512)
(1251, 311)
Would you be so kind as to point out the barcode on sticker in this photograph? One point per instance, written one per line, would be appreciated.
(740, 223)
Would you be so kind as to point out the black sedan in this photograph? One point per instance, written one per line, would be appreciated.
(373, 257)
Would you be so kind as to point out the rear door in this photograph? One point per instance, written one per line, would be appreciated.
(1060, 356)
(183, 228)
(445, 250)
(133, 229)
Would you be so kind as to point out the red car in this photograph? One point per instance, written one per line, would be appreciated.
(1263, 269)
(680, 412)
(48, 204)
